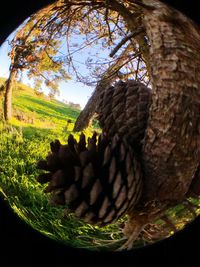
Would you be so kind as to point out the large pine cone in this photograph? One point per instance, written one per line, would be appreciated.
(98, 182)
(123, 109)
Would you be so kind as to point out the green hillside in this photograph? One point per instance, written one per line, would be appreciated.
(38, 111)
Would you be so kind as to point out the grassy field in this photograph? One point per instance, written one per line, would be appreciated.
(36, 122)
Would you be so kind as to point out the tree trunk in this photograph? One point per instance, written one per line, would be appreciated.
(8, 95)
(171, 150)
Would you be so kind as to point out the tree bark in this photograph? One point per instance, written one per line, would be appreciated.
(8, 94)
(171, 149)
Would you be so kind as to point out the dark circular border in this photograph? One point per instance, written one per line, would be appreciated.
(21, 244)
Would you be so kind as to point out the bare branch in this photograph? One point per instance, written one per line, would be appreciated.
(107, 22)
(125, 39)
(137, 69)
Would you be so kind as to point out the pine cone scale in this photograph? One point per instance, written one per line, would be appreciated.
(112, 170)
(121, 197)
(117, 185)
(71, 194)
(81, 210)
(104, 208)
(95, 192)
(88, 175)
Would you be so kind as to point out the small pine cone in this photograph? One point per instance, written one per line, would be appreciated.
(98, 182)
(124, 109)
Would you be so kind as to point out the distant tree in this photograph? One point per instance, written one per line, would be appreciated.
(34, 50)
(74, 105)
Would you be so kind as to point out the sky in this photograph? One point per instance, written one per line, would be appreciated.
(70, 91)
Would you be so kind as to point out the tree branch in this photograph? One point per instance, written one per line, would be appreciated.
(125, 39)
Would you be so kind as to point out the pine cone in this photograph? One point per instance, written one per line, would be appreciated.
(98, 182)
(124, 109)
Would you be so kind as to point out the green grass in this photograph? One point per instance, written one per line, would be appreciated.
(26, 197)
(22, 144)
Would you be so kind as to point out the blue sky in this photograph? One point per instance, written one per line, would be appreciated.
(69, 91)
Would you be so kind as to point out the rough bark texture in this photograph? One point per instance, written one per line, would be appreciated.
(8, 95)
(171, 151)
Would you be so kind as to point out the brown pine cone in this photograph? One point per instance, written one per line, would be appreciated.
(123, 109)
(98, 182)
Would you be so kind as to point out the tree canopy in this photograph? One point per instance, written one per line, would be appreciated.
(111, 35)
(36, 52)
(101, 31)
